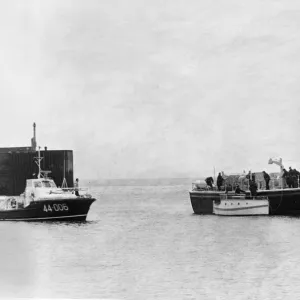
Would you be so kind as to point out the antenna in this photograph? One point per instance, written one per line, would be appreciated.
(34, 133)
(64, 183)
(41, 174)
(33, 139)
(38, 162)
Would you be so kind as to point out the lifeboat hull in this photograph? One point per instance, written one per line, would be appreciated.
(241, 207)
(50, 210)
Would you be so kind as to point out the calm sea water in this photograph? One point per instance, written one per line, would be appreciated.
(145, 243)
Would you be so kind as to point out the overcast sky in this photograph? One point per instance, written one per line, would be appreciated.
(153, 88)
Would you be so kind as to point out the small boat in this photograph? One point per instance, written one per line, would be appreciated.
(42, 200)
(241, 205)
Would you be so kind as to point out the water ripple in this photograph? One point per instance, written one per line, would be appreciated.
(145, 243)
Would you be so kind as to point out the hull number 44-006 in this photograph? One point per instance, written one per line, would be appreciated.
(55, 207)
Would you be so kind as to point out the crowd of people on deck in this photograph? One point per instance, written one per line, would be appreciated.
(290, 180)
(291, 177)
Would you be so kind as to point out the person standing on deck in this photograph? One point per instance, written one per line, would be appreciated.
(267, 179)
(284, 176)
(253, 188)
(292, 176)
(220, 181)
(76, 186)
(289, 178)
(209, 181)
(248, 176)
(297, 174)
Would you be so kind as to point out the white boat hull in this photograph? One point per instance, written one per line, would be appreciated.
(241, 207)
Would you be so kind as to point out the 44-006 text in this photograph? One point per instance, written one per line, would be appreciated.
(55, 207)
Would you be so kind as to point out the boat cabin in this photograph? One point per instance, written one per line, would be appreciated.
(40, 183)
(40, 187)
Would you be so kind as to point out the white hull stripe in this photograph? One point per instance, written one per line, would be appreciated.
(240, 208)
(46, 218)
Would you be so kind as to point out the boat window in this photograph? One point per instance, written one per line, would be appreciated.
(48, 184)
(37, 184)
(53, 184)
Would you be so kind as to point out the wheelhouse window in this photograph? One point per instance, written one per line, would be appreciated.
(48, 184)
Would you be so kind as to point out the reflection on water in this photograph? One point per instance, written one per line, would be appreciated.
(145, 243)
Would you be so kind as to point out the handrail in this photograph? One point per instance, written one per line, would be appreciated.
(75, 189)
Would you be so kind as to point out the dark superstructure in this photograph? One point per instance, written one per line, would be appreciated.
(18, 164)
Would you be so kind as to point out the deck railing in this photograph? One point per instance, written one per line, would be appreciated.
(81, 190)
(261, 185)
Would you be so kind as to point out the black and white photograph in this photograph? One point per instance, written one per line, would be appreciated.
(147, 149)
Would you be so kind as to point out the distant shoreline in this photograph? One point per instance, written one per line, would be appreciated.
(149, 181)
(138, 181)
